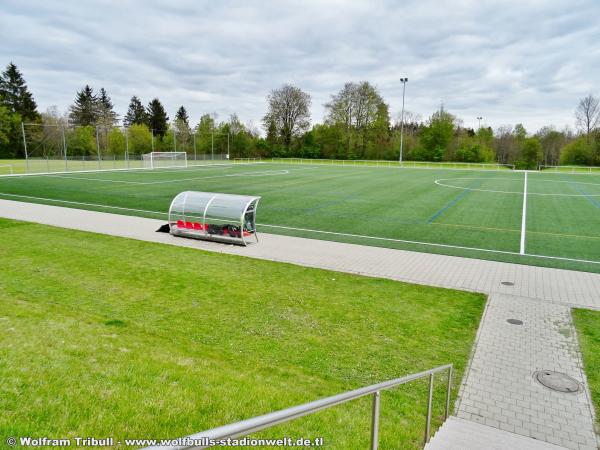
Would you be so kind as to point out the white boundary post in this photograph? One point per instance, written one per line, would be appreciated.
(64, 142)
(98, 149)
(194, 138)
(25, 146)
(127, 146)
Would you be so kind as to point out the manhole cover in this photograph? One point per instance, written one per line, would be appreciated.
(507, 283)
(515, 321)
(557, 381)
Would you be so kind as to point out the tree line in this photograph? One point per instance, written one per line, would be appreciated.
(357, 125)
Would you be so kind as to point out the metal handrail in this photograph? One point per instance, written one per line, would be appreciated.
(245, 427)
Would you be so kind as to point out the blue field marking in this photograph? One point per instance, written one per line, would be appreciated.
(591, 199)
(455, 200)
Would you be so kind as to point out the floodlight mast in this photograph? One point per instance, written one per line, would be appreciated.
(403, 81)
(479, 120)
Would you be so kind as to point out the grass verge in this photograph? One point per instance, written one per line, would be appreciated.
(587, 323)
(103, 336)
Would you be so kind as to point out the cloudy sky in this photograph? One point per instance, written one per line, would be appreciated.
(508, 61)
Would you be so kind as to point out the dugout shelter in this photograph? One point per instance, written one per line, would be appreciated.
(213, 216)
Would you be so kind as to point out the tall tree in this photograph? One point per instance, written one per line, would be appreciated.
(552, 141)
(15, 95)
(272, 136)
(182, 116)
(136, 113)
(206, 124)
(158, 121)
(587, 114)
(437, 135)
(531, 154)
(289, 108)
(106, 114)
(84, 111)
(359, 110)
(235, 124)
(182, 122)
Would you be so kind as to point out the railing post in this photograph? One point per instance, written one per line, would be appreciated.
(449, 392)
(429, 401)
(375, 421)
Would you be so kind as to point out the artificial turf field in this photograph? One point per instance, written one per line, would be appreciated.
(474, 213)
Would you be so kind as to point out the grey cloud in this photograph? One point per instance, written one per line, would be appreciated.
(510, 61)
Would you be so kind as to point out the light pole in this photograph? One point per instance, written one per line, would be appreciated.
(403, 81)
(479, 119)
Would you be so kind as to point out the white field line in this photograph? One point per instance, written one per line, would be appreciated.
(524, 217)
(430, 244)
(132, 169)
(69, 202)
(145, 183)
(439, 183)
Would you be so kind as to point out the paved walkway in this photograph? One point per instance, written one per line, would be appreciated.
(460, 434)
(499, 390)
(554, 285)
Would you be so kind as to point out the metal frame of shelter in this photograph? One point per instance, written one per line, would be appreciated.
(213, 216)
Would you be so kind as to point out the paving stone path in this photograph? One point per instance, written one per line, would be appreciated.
(499, 392)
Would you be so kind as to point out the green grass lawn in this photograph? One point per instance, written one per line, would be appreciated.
(456, 212)
(103, 336)
(587, 323)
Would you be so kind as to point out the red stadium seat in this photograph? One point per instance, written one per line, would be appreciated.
(189, 225)
(197, 226)
(180, 224)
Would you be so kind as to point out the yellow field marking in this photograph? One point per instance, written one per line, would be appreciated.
(514, 231)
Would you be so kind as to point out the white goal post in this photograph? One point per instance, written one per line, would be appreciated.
(156, 160)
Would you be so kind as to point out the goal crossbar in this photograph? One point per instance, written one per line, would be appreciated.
(155, 160)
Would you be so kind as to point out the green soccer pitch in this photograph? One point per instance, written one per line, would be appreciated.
(537, 218)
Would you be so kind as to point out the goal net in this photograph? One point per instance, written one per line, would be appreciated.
(157, 160)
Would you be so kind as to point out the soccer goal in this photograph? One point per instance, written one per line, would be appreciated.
(156, 160)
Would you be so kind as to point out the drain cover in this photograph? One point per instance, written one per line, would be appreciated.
(515, 321)
(557, 381)
(507, 283)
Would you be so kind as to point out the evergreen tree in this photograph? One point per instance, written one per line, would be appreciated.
(85, 109)
(106, 114)
(136, 113)
(272, 134)
(15, 95)
(157, 118)
(182, 116)
(182, 121)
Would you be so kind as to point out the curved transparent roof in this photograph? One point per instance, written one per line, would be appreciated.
(212, 215)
